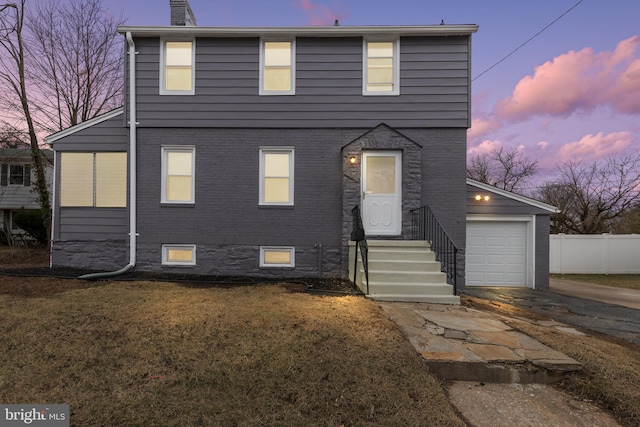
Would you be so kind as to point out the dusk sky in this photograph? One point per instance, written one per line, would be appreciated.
(573, 92)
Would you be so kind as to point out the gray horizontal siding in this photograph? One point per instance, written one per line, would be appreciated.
(498, 205)
(434, 86)
(92, 224)
(110, 135)
(18, 196)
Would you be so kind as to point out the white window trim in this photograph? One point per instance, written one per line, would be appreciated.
(290, 249)
(292, 91)
(9, 184)
(165, 254)
(291, 152)
(396, 67)
(163, 90)
(164, 171)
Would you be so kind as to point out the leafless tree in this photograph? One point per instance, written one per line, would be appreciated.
(593, 196)
(76, 61)
(60, 64)
(508, 169)
(11, 137)
(13, 75)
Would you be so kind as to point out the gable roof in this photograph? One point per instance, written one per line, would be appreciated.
(22, 153)
(84, 125)
(513, 196)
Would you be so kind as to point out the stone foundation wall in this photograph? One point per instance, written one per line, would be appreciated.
(224, 260)
(99, 255)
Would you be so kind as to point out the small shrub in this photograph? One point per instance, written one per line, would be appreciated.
(30, 220)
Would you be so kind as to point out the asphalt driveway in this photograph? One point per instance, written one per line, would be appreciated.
(576, 304)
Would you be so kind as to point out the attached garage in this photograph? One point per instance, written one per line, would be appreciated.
(496, 253)
(507, 238)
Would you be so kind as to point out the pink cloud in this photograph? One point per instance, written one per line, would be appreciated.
(482, 126)
(543, 144)
(592, 147)
(484, 147)
(320, 14)
(579, 80)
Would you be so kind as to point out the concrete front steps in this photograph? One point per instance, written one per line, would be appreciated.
(402, 270)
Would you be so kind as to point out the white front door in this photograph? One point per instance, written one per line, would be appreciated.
(382, 192)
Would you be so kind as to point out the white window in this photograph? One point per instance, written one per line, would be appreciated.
(277, 256)
(178, 172)
(15, 175)
(276, 176)
(177, 72)
(381, 67)
(93, 180)
(178, 254)
(277, 68)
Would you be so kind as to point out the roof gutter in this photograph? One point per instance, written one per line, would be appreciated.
(133, 218)
(309, 31)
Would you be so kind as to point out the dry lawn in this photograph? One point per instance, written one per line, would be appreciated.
(149, 353)
(611, 369)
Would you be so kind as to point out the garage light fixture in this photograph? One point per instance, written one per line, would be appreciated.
(480, 198)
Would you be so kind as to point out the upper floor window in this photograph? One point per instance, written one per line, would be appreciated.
(178, 172)
(276, 176)
(93, 179)
(277, 68)
(381, 68)
(178, 68)
(15, 175)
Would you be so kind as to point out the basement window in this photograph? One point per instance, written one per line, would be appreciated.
(178, 254)
(277, 256)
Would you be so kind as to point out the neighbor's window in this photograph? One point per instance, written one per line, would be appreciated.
(277, 256)
(179, 254)
(277, 68)
(15, 175)
(178, 68)
(93, 179)
(178, 172)
(276, 176)
(381, 68)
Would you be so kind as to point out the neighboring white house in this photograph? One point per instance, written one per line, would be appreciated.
(17, 180)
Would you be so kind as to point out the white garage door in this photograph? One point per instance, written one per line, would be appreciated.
(496, 253)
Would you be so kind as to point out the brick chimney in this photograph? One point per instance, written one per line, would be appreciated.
(181, 13)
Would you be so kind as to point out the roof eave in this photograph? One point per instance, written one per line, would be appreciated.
(513, 196)
(310, 31)
(84, 125)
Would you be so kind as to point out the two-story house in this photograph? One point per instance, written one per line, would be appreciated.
(17, 181)
(243, 151)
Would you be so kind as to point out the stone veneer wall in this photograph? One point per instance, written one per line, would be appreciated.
(380, 138)
(98, 255)
(224, 260)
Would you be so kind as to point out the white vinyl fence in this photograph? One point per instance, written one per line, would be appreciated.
(594, 254)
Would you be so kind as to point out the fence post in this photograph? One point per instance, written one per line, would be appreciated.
(606, 247)
(561, 253)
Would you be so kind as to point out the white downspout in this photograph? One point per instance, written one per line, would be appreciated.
(133, 173)
(133, 234)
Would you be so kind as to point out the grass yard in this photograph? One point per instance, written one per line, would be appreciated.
(629, 281)
(149, 353)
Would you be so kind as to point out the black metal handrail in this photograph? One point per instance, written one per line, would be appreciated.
(358, 236)
(425, 226)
